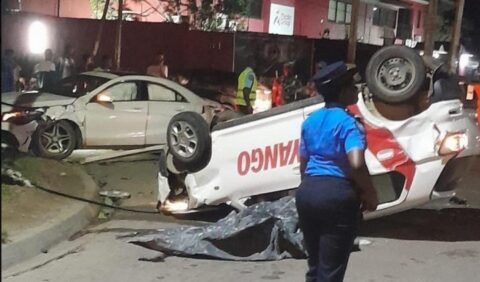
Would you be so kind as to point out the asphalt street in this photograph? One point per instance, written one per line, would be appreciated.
(418, 245)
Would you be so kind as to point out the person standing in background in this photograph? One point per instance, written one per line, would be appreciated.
(246, 91)
(159, 68)
(105, 64)
(44, 71)
(9, 67)
(47, 64)
(87, 63)
(66, 63)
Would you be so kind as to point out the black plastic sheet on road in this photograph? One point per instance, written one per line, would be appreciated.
(265, 231)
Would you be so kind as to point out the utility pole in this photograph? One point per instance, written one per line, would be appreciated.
(430, 27)
(100, 30)
(352, 41)
(118, 43)
(456, 32)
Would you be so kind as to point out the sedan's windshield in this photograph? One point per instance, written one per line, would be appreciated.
(75, 86)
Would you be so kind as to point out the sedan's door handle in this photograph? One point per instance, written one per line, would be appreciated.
(136, 110)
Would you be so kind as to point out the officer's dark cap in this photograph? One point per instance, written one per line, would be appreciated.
(335, 72)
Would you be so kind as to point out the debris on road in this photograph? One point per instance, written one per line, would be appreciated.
(115, 195)
(458, 201)
(264, 231)
(13, 177)
(160, 258)
(111, 198)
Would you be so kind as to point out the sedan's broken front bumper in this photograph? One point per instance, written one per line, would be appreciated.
(23, 133)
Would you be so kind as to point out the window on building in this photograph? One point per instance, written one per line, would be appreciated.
(348, 15)
(255, 9)
(332, 10)
(419, 18)
(339, 11)
(384, 17)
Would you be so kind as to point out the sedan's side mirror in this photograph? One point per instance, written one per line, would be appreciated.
(103, 98)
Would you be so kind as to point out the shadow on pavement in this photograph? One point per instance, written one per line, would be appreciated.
(450, 225)
(208, 215)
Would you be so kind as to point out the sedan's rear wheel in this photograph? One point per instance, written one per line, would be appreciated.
(55, 140)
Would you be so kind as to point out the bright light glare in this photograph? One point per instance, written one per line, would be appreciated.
(436, 55)
(176, 206)
(104, 98)
(455, 143)
(375, 8)
(464, 60)
(37, 38)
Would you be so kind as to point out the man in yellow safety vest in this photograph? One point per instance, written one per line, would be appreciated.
(246, 91)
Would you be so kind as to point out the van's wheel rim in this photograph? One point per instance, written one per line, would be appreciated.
(183, 139)
(396, 74)
(56, 139)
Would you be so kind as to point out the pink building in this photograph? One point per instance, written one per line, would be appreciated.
(402, 19)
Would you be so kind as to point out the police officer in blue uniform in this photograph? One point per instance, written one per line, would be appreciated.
(336, 185)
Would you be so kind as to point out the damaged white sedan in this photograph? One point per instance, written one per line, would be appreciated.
(97, 110)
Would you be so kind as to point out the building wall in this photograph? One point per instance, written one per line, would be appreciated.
(311, 16)
(418, 31)
(211, 50)
(312, 19)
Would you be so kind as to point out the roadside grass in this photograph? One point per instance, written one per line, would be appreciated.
(29, 167)
(7, 192)
(5, 237)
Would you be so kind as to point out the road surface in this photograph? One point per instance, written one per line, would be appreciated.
(418, 245)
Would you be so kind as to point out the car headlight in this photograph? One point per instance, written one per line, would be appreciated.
(21, 117)
(9, 116)
(453, 143)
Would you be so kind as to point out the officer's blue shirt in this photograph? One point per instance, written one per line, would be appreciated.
(327, 136)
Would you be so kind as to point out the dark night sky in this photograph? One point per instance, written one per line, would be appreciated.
(471, 16)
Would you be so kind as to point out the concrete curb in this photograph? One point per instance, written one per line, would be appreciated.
(71, 220)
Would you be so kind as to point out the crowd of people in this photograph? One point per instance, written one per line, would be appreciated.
(20, 75)
(23, 74)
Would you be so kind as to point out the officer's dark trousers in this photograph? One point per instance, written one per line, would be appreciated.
(328, 211)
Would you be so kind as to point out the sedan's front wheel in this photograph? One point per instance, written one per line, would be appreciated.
(55, 140)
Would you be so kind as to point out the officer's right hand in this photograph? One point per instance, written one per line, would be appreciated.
(369, 200)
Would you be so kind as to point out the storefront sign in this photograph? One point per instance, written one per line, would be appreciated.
(281, 19)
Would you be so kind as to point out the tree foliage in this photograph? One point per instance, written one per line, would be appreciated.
(209, 15)
(98, 5)
(446, 20)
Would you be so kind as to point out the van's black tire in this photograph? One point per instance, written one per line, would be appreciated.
(64, 135)
(395, 74)
(189, 141)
